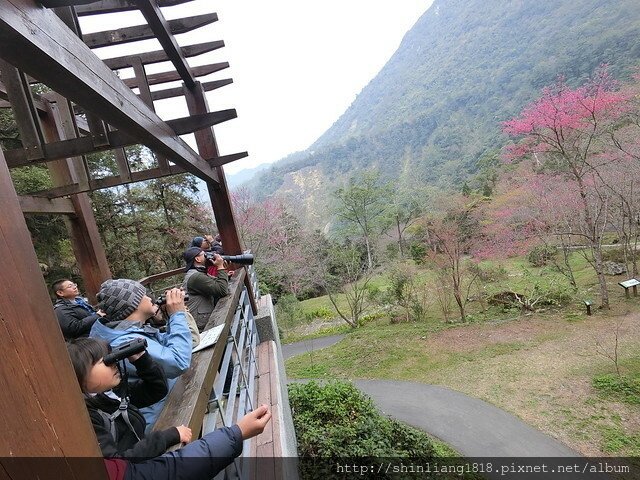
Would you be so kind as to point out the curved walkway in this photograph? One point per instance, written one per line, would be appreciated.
(471, 426)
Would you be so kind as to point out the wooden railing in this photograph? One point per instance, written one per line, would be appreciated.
(197, 399)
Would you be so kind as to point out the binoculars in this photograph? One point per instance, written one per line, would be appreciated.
(162, 299)
(125, 350)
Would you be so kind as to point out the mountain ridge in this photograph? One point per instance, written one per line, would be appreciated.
(464, 67)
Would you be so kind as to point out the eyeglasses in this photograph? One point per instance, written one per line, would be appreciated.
(71, 285)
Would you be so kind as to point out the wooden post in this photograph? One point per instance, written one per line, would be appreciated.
(42, 411)
(82, 227)
(218, 193)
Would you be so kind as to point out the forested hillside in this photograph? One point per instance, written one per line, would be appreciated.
(435, 110)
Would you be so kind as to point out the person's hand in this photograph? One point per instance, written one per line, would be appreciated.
(175, 301)
(218, 261)
(101, 313)
(185, 434)
(253, 423)
(136, 356)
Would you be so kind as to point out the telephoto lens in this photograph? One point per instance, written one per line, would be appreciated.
(244, 259)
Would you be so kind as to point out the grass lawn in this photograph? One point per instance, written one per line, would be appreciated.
(540, 367)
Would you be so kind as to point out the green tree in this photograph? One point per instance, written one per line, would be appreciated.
(361, 205)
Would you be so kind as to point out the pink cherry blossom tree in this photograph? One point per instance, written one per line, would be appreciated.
(564, 132)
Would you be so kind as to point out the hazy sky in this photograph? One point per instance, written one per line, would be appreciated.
(296, 65)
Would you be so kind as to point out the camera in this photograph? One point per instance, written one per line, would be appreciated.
(244, 259)
(162, 299)
(125, 350)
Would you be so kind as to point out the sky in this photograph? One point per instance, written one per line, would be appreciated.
(296, 65)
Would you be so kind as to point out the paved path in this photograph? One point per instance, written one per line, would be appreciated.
(471, 426)
(292, 349)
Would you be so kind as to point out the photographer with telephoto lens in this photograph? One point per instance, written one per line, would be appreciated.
(203, 289)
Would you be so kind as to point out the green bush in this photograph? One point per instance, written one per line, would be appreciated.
(540, 255)
(321, 312)
(613, 255)
(337, 420)
(288, 311)
(417, 252)
(622, 388)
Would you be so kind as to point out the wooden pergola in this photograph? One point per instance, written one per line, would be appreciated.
(89, 109)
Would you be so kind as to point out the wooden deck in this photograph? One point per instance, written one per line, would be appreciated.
(266, 451)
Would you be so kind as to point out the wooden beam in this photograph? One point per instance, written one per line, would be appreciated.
(113, 6)
(31, 204)
(24, 110)
(37, 99)
(114, 181)
(84, 235)
(162, 30)
(158, 56)
(164, 77)
(116, 139)
(220, 161)
(36, 41)
(144, 32)
(39, 386)
(219, 194)
(178, 92)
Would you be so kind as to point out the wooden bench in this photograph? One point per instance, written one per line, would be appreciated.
(633, 283)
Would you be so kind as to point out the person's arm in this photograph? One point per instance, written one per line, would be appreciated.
(174, 353)
(152, 386)
(72, 326)
(154, 444)
(206, 457)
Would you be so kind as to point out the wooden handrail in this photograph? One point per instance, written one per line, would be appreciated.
(187, 401)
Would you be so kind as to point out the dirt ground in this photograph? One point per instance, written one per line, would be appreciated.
(546, 379)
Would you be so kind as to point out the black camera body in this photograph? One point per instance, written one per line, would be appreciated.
(125, 350)
(244, 259)
(162, 299)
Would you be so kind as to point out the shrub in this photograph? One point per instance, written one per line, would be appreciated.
(540, 255)
(623, 388)
(613, 255)
(337, 420)
(321, 312)
(418, 251)
(288, 311)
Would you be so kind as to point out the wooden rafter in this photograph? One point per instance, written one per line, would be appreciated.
(144, 32)
(158, 56)
(113, 6)
(116, 139)
(165, 77)
(131, 177)
(162, 30)
(36, 41)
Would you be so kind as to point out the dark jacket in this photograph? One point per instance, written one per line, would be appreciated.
(151, 387)
(204, 292)
(199, 460)
(74, 320)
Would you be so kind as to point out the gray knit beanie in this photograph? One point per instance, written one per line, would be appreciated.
(120, 298)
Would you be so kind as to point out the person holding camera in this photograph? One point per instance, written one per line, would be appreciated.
(74, 313)
(114, 404)
(203, 289)
(129, 311)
